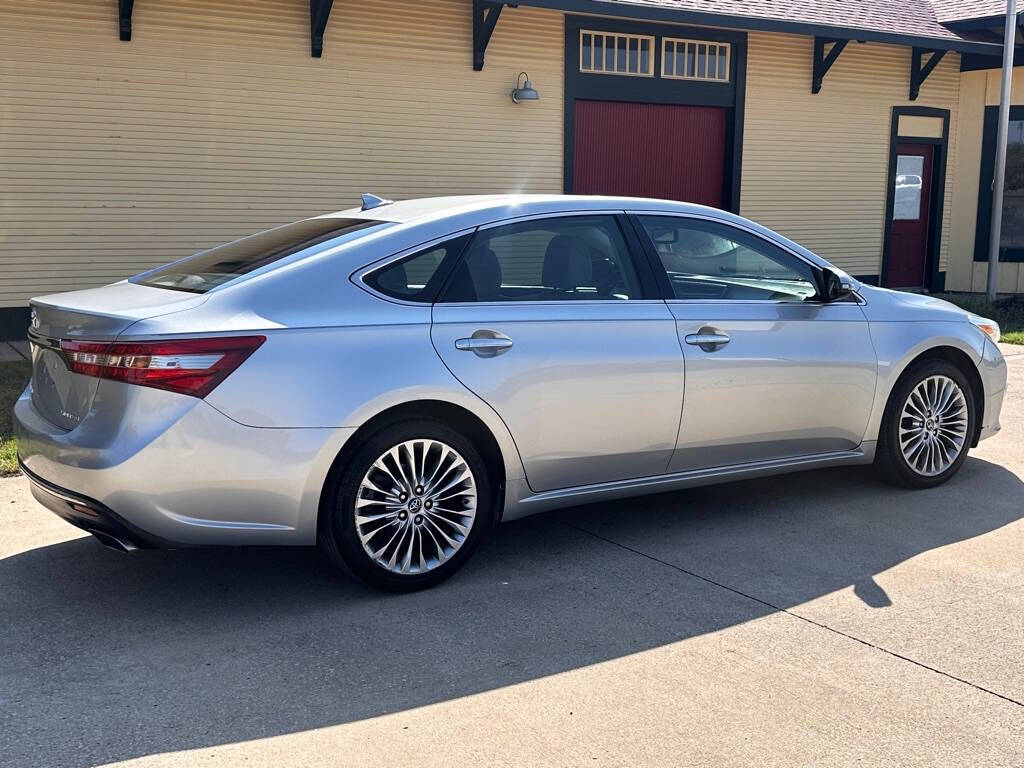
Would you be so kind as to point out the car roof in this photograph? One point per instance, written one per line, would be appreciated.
(468, 211)
(506, 206)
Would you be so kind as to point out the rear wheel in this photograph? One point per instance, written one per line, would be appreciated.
(928, 425)
(409, 507)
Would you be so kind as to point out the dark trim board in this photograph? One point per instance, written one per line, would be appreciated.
(14, 323)
(971, 62)
(983, 224)
(934, 280)
(671, 15)
(868, 279)
(656, 90)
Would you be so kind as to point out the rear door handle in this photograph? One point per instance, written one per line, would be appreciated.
(485, 343)
(708, 339)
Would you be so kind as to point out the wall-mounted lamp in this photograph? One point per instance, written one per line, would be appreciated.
(526, 93)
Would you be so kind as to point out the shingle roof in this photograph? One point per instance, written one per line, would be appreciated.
(960, 10)
(916, 21)
(910, 17)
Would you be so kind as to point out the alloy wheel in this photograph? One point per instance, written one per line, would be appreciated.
(933, 425)
(415, 506)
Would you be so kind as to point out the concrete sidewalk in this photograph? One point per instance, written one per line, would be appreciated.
(813, 619)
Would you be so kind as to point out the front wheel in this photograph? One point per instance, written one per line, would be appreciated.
(928, 425)
(409, 507)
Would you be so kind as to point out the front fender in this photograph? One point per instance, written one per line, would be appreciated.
(900, 343)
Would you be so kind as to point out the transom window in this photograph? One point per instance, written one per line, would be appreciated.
(694, 59)
(612, 53)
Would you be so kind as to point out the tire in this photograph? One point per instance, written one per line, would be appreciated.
(414, 509)
(921, 466)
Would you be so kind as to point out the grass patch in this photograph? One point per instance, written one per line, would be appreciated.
(1008, 312)
(13, 378)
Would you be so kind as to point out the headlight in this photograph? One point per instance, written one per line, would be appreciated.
(989, 327)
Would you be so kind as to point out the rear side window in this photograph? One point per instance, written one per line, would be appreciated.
(417, 277)
(208, 269)
(571, 258)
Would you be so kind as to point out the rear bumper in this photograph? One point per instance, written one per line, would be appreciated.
(92, 516)
(172, 471)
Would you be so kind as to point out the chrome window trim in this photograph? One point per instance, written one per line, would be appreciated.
(579, 302)
(759, 236)
(613, 212)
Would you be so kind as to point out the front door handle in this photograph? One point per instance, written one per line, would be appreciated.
(485, 343)
(707, 338)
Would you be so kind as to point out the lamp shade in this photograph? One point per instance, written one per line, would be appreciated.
(526, 92)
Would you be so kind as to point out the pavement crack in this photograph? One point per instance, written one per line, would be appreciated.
(795, 615)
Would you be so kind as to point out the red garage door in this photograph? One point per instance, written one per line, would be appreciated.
(650, 150)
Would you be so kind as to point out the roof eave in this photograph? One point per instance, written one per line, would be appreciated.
(752, 23)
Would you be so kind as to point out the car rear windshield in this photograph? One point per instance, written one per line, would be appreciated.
(208, 269)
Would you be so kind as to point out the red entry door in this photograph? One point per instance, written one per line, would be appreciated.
(649, 150)
(911, 213)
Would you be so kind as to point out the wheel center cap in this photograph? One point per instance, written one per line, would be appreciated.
(931, 424)
(415, 504)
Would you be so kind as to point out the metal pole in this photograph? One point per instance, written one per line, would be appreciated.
(1000, 170)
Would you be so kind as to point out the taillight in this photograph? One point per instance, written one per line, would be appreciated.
(187, 366)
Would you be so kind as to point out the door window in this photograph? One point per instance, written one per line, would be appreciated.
(708, 260)
(572, 258)
(909, 180)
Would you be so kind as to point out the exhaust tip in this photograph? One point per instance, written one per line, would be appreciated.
(113, 542)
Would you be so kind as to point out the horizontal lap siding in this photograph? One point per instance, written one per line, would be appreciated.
(214, 121)
(815, 165)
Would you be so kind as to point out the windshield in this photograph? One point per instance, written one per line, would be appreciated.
(208, 269)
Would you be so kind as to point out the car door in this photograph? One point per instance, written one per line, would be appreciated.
(553, 322)
(771, 372)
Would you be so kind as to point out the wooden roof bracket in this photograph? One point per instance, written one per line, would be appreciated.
(919, 71)
(485, 18)
(319, 12)
(823, 61)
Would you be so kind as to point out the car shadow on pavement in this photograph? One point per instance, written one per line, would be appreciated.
(106, 657)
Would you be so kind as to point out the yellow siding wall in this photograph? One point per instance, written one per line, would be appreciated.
(977, 90)
(815, 165)
(214, 121)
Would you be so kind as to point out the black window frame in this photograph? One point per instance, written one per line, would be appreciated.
(983, 226)
(647, 279)
(665, 284)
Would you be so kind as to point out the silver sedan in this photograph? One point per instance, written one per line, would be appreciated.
(393, 380)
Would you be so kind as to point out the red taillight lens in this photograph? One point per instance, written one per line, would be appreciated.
(187, 366)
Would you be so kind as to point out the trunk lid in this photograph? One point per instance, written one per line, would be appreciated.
(97, 314)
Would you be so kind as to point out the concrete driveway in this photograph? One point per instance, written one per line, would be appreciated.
(813, 619)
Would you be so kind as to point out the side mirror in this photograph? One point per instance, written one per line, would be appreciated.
(834, 287)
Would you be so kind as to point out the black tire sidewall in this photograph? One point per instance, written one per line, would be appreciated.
(896, 465)
(337, 527)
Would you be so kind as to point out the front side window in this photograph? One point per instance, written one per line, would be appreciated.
(709, 260)
(419, 276)
(572, 258)
(209, 269)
